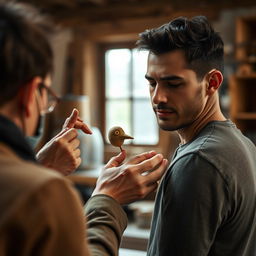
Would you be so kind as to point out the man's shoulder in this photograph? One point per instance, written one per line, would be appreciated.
(18, 173)
(220, 147)
(218, 139)
(23, 181)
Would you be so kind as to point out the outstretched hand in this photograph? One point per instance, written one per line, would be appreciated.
(61, 152)
(132, 180)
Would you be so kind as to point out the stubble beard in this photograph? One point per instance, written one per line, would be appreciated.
(166, 126)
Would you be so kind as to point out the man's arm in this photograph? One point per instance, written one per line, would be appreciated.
(57, 225)
(106, 224)
(119, 183)
(193, 207)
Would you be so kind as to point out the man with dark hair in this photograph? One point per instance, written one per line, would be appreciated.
(20, 62)
(41, 213)
(206, 203)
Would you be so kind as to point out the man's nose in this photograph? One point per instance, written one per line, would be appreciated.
(159, 95)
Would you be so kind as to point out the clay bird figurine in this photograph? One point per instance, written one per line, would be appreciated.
(116, 136)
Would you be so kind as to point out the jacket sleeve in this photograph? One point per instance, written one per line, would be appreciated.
(51, 222)
(106, 222)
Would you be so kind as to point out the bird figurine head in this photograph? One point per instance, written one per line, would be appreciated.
(116, 136)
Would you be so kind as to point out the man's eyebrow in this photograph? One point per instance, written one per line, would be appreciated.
(165, 78)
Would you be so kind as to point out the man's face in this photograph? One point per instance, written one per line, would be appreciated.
(176, 94)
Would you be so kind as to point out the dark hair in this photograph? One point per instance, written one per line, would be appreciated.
(25, 51)
(203, 47)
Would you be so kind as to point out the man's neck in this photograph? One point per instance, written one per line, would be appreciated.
(188, 133)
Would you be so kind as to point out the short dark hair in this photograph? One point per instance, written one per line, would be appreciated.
(203, 47)
(25, 50)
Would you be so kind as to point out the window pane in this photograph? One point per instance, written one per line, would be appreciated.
(145, 124)
(140, 87)
(117, 73)
(118, 114)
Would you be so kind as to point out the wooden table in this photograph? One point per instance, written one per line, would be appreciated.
(86, 177)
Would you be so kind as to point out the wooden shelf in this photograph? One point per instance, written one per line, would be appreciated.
(242, 85)
(245, 37)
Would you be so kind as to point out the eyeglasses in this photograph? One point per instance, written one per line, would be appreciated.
(51, 100)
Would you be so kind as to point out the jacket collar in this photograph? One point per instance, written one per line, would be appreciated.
(13, 137)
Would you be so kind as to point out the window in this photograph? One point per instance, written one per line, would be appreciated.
(127, 95)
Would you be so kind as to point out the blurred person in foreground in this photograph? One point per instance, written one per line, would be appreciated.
(41, 213)
(206, 203)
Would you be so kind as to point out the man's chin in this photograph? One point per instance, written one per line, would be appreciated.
(171, 127)
(167, 127)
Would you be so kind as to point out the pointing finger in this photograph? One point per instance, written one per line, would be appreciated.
(60, 133)
(71, 120)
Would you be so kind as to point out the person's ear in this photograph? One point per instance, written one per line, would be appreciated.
(215, 79)
(27, 95)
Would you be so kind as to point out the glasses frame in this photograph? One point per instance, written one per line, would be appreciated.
(56, 98)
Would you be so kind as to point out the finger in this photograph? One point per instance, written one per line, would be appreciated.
(116, 160)
(142, 157)
(148, 189)
(156, 175)
(74, 144)
(69, 135)
(77, 153)
(82, 126)
(71, 120)
(78, 161)
(60, 133)
(150, 164)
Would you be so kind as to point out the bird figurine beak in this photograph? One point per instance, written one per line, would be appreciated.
(125, 136)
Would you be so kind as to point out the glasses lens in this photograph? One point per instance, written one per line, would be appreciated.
(51, 102)
(51, 99)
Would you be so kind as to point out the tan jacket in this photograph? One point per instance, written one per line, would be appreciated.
(41, 214)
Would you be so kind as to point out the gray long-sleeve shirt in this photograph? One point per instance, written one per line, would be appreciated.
(206, 204)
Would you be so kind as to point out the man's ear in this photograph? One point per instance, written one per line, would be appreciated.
(27, 95)
(215, 79)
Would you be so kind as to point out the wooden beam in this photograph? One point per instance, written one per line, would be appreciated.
(114, 12)
(119, 27)
(86, 12)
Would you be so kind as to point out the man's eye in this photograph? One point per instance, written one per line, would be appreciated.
(152, 83)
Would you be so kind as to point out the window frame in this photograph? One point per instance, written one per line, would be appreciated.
(103, 48)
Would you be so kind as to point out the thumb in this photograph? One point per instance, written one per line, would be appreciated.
(71, 120)
(116, 160)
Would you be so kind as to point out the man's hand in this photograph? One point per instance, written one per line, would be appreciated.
(74, 121)
(132, 180)
(61, 152)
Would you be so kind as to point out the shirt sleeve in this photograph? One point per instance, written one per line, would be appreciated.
(51, 222)
(194, 207)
